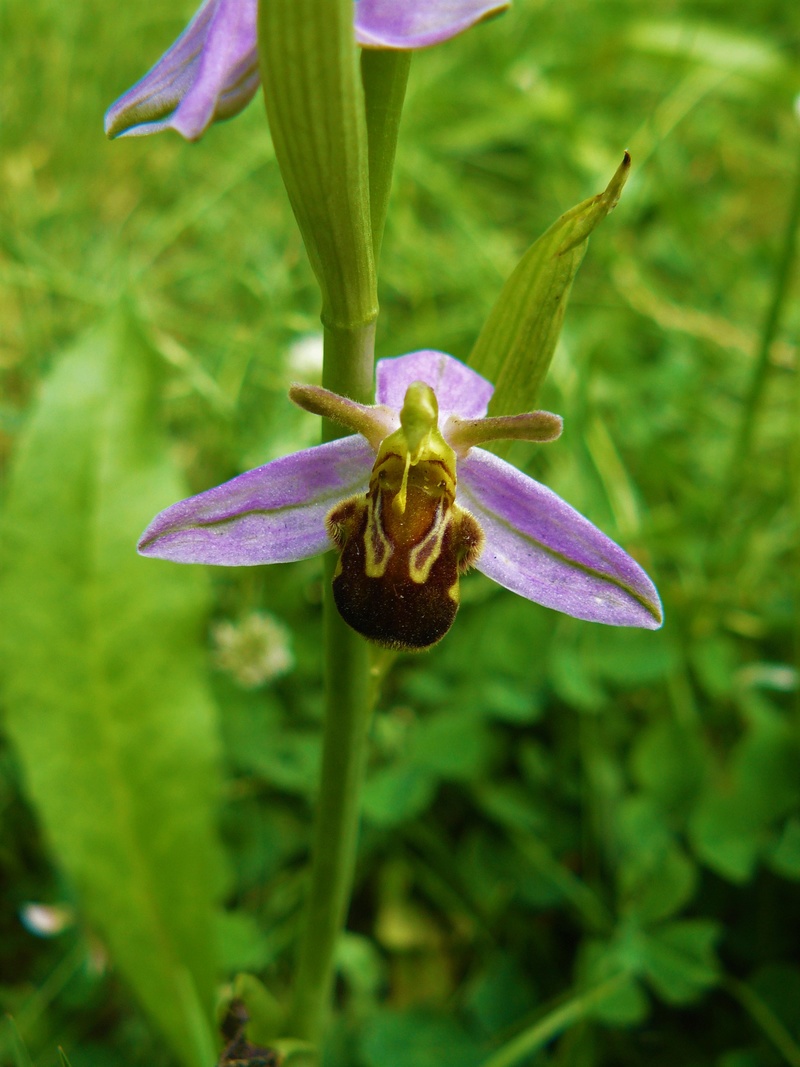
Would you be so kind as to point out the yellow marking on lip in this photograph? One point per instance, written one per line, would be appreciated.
(378, 548)
(422, 558)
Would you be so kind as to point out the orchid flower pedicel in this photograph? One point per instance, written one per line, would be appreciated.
(410, 504)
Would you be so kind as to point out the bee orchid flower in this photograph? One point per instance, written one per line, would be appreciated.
(410, 502)
(211, 71)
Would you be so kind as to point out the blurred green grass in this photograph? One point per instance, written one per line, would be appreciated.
(591, 782)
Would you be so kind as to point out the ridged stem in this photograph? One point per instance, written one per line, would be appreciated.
(334, 126)
(315, 104)
(348, 369)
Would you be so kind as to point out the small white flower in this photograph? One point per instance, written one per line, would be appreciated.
(255, 650)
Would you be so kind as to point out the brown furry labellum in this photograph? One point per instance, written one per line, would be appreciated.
(397, 580)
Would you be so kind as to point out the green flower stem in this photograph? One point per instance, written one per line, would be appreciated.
(554, 1023)
(349, 690)
(334, 128)
(348, 368)
(384, 75)
(335, 837)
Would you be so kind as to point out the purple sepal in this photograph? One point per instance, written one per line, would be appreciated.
(209, 73)
(273, 514)
(407, 24)
(459, 390)
(540, 547)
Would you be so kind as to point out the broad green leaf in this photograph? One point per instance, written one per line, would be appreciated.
(106, 702)
(517, 342)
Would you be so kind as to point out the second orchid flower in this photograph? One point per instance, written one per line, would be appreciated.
(211, 72)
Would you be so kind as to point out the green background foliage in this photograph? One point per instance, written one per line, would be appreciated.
(550, 805)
